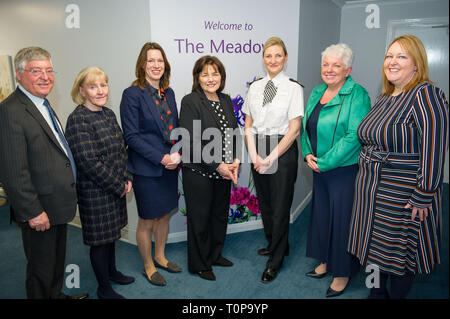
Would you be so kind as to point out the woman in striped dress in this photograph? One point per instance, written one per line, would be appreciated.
(396, 217)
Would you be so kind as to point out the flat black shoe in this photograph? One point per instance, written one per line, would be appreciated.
(121, 279)
(223, 262)
(266, 252)
(377, 293)
(111, 294)
(79, 296)
(313, 274)
(207, 274)
(171, 267)
(263, 252)
(268, 275)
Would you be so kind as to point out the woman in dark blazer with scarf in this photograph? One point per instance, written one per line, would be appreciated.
(149, 113)
(207, 175)
(99, 151)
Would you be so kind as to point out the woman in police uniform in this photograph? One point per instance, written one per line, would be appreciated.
(274, 108)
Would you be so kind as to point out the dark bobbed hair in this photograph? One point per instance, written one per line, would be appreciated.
(198, 68)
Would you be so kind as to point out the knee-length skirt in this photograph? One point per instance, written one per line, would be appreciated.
(156, 196)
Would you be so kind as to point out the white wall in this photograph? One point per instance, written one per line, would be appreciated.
(112, 32)
(111, 35)
(369, 45)
(319, 28)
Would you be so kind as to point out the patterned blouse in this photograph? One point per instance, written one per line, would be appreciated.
(227, 149)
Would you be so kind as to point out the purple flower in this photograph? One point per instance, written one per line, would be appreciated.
(239, 195)
(238, 101)
(253, 205)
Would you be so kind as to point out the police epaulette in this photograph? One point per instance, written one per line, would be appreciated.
(250, 83)
(296, 82)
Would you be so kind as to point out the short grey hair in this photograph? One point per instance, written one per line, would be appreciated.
(342, 51)
(29, 54)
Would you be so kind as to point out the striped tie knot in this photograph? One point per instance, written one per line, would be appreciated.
(269, 92)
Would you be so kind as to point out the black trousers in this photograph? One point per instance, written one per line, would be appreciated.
(400, 286)
(207, 206)
(45, 252)
(275, 193)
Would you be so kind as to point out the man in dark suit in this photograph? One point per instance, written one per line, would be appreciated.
(38, 173)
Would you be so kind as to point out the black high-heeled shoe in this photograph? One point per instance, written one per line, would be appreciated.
(313, 274)
(333, 293)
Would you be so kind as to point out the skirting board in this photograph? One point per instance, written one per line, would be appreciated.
(129, 235)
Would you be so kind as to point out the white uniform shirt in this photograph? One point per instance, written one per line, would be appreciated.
(39, 102)
(273, 118)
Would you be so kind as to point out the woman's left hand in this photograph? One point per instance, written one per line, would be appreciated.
(234, 168)
(263, 165)
(172, 161)
(127, 189)
(311, 160)
(224, 171)
(422, 212)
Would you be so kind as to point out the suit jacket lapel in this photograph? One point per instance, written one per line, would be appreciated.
(33, 110)
(207, 106)
(150, 104)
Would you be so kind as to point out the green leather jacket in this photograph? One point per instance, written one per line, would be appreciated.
(341, 147)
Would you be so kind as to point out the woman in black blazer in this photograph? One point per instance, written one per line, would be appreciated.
(209, 165)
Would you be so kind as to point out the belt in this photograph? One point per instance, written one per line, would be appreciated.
(369, 154)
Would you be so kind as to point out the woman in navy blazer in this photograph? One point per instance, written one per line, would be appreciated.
(149, 113)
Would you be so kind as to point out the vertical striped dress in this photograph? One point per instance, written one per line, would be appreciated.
(404, 141)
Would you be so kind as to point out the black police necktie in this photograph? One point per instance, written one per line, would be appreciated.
(269, 92)
(62, 138)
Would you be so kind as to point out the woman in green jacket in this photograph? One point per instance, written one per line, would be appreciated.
(331, 147)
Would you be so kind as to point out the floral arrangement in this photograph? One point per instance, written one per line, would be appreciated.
(243, 205)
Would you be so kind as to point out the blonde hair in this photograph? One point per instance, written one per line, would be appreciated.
(89, 73)
(415, 49)
(274, 41)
